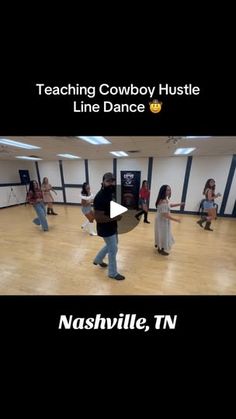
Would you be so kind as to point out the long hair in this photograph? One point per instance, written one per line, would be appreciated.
(32, 187)
(161, 194)
(44, 180)
(208, 186)
(84, 192)
(144, 181)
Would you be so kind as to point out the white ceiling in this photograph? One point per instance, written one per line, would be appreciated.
(146, 147)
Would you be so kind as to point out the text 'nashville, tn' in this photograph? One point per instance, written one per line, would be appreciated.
(121, 322)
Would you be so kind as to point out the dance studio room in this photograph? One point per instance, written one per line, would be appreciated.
(174, 202)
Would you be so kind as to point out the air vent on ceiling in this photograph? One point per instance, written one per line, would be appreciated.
(173, 140)
(133, 151)
(4, 151)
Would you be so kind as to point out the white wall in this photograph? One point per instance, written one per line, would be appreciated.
(9, 170)
(132, 164)
(9, 173)
(96, 169)
(74, 171)
(59, 196)
(232, 197)
(168, 171)
(51, 170)
(204, 168)
(12, 195)
(73, 195)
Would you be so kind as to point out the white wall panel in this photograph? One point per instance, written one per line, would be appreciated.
(12, 195)
(9, 170)
(51, 170)
(168, 171)
(73, 195)
(96, 169)
(58, 197)
(74, 171)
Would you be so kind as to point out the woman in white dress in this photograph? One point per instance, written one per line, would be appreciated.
(163, 235)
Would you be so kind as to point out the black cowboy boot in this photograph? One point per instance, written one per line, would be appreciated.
(140, 213)
(203, 219)
(145, 218)
(207, 226)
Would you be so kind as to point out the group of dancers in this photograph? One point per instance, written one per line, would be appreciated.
(107, 227)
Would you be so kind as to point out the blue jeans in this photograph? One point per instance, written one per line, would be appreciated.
(111, 248)
(41, 213)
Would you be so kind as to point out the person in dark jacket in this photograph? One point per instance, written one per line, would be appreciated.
(144, 195)
(106, 226)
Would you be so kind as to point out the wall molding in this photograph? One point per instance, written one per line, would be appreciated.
(149, 174)
(72, 185)
(38, 172)
(3, 185)
(86, 170)
(228, 185)
(62, 181)
(186, 181)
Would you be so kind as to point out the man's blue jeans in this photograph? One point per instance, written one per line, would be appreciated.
(111, 248)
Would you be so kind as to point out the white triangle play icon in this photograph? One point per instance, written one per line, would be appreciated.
(116, 209)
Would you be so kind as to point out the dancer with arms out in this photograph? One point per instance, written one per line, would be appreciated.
(163, 235)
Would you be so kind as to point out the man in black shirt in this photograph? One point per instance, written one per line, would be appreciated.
(106, 226)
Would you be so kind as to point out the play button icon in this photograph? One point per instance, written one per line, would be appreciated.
(127, 212)
(116, 209)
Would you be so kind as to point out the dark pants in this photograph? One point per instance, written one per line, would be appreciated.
(142, 213)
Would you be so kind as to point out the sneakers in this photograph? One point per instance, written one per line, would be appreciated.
(118, 277)
(162, 252)
(103, 264)
(147, 222)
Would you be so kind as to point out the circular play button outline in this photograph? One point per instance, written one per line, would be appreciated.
(128, 220)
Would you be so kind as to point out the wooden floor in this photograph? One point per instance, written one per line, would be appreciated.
(59, 262)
